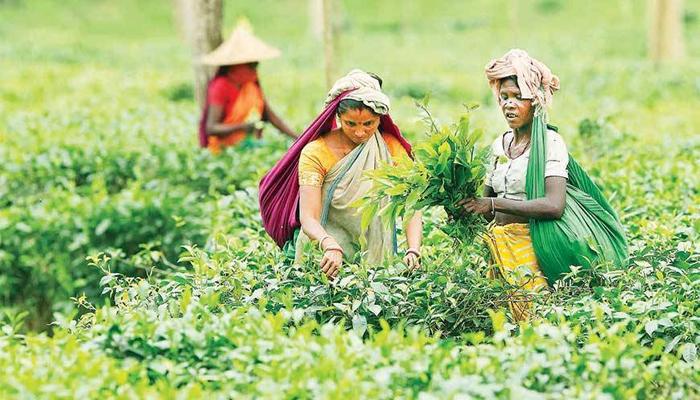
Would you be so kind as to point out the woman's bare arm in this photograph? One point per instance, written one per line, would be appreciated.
(310, 216)
(277, 122)
(414, 231)
(549, 207)
(310, 212)
(216, 128)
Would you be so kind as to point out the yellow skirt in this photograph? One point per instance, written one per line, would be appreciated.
(514, 261)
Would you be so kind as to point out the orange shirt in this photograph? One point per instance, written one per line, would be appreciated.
(317, 159)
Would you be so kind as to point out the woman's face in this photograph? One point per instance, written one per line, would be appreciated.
(517, 111)
(359, 124)
(243, 73)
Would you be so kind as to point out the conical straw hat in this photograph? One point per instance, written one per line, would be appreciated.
(240, 48)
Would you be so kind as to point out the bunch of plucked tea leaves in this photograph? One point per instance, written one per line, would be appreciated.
(447, 167)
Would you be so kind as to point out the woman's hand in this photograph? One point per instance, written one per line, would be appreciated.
(331, 262)
(480, 205)
(412, 260)
(309, 215)
(257, 129)
(248, 127)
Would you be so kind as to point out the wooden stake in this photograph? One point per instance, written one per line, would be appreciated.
(316, 19)
(329, 38)
(666, 41)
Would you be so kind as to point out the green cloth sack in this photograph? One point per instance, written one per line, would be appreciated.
(588, 232)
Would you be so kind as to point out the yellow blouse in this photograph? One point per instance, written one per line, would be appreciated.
(317, 159)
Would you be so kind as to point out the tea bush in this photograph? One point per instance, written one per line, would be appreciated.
(62, 204)
(148, 254)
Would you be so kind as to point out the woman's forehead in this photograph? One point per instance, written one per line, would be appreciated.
(359, 115)
(509, 85)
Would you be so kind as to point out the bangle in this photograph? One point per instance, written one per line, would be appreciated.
(334, 248)
(413, 251)
(493, 208)
(320, 242)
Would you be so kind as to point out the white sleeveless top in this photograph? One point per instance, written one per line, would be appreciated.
(507, 176)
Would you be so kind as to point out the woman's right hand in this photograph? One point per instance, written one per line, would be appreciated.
(331, 262)
(249, 127)
(480, 205)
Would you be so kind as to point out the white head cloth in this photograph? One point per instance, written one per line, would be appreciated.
(367, 91)
(535, 80)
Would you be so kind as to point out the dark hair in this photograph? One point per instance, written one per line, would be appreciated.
(222, 70)
(513, 78)
(375, 76)
(351, 104)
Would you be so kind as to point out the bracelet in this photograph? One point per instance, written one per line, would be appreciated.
(413, 251)
(320, 242)
(336, 249)
(493, 208)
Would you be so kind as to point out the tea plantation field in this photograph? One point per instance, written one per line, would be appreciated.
(134, 265)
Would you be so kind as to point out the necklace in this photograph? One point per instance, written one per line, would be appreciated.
(510, 150)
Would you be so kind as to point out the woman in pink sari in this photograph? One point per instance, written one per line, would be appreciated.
(314, 186)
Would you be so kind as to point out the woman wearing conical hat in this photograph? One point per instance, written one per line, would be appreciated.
(235, 107)
(308, 195)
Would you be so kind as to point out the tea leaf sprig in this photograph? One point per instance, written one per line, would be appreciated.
(447, 167)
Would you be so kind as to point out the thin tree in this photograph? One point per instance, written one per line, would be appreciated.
(200, 24)
(666, 42)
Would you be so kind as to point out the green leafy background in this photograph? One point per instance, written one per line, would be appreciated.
(133, 265)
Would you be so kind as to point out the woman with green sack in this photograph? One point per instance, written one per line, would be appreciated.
(546, 213)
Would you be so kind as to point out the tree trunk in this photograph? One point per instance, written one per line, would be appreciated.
(666, 42)
(200, 23)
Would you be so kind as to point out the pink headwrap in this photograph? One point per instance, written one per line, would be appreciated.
(535, 80)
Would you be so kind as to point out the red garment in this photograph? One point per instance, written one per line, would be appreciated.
(279, 188)
(248, 106)
(223, 90)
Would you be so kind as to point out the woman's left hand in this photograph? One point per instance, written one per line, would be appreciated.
(480, 205)
(412, 261)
